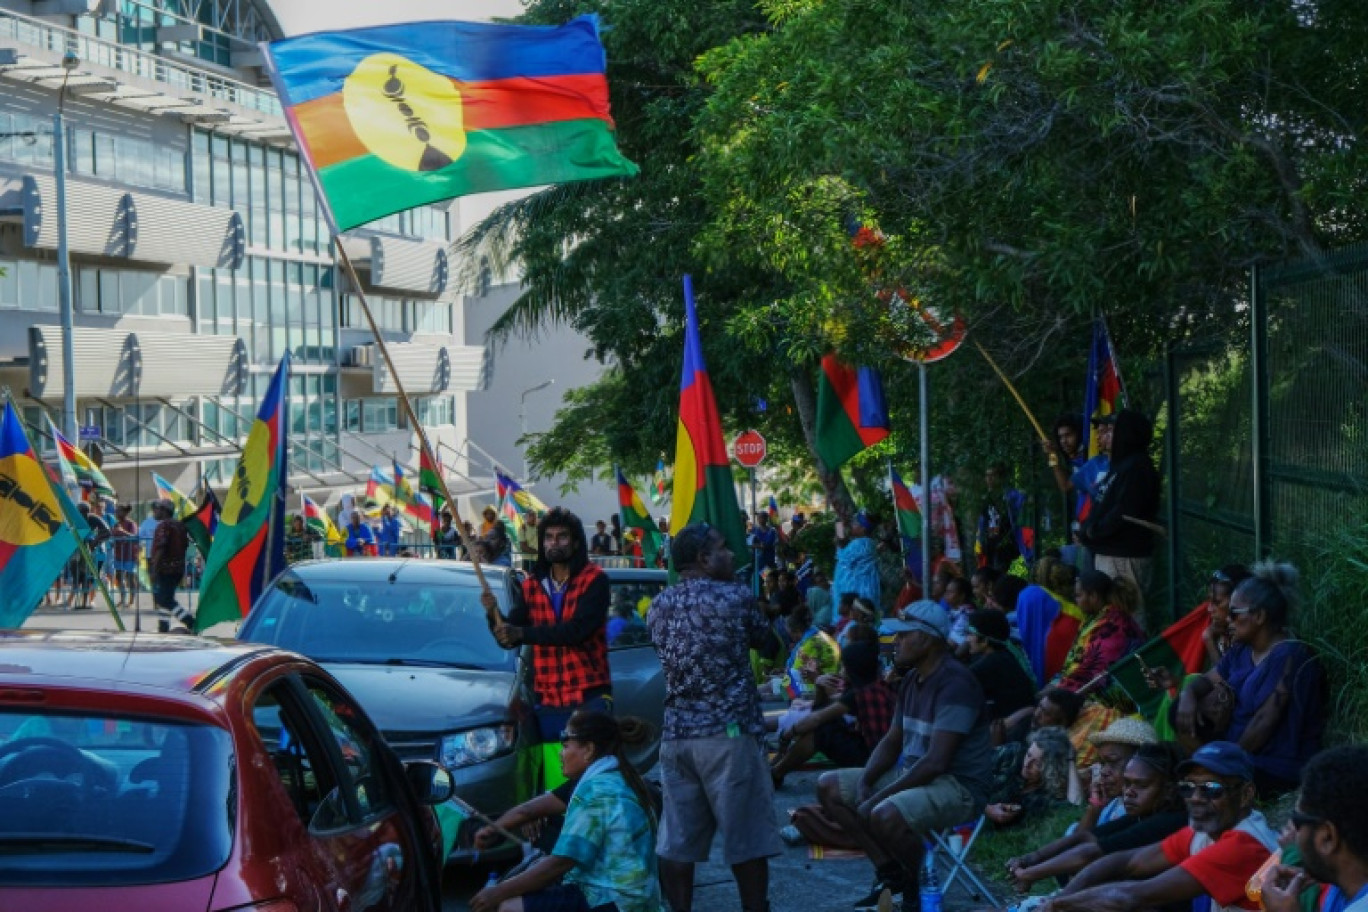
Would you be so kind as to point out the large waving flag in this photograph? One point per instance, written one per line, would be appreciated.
(851, 411)
(249, 545)
(1103, 393)
(704, 490)
(35, 541)
(87, 474)
(398, 116)
(1179, 649)
(909, 522)
(634, 516)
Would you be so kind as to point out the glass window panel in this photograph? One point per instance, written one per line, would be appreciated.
(352, 415)
(111, 301)
(88, 289)
(9, 284)
(83, 156)
(7, 137)
(27, 271)
(47, 288)
(200, 165)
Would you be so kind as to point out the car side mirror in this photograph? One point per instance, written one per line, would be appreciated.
(431, 782)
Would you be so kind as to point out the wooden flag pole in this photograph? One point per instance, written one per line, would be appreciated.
(325, 208)
(1013, 390)
(493, 614)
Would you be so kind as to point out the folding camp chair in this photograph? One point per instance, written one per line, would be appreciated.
(956, 861)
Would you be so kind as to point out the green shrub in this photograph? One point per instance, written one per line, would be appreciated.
(1334, 595)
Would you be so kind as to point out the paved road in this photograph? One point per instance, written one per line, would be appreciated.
(797, 884)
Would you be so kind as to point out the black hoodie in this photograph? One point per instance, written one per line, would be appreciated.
(1131, 489)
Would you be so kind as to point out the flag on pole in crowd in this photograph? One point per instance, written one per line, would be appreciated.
(317, 519)
(430, 477)
(403, 491)
(202, 522)
(634, 516)
(397, 116)
(1179, 649)
(658, 484)
(852, 413)
(35, 540)
(522, 498)
(1103, 393)
(704, 489)
(86, 473)
(181, 506)
(773, 510)
(909, 522)
(249, 544)
(507, 507)
(380, 491)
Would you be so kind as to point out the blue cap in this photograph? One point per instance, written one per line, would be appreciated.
(1223, 758)
(925, 616)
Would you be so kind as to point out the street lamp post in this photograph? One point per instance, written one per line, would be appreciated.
(69, 62)
(522, 416)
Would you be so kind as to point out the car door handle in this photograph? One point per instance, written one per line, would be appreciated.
(343, 900)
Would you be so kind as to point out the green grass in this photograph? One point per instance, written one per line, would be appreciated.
(995, 847)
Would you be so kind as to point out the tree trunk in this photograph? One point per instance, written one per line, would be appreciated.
(805, 398)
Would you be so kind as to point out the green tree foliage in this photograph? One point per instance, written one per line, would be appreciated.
(1029, 163)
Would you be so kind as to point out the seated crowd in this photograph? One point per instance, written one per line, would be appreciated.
(1008, 701)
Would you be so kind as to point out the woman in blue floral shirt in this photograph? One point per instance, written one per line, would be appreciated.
(605, 859)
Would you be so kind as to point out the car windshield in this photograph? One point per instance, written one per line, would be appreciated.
(381, 622)
(627, 612)
(100, 800)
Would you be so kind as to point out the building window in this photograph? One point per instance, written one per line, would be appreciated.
(437, 410)
(379, 415)
(351, 415)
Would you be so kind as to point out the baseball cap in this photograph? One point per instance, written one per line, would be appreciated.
(1223, 758)
(925, 616)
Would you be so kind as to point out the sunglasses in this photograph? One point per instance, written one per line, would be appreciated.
(1211, 791)
(567, 736)
(1300, 820)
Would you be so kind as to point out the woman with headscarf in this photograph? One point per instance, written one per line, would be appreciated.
(857, 563)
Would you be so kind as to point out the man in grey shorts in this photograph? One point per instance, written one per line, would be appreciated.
(714, 774)
(933, 768)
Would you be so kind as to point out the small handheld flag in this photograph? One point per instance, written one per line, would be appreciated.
(658, 484)
(852, 413)
(86, 473)
(1103, 393)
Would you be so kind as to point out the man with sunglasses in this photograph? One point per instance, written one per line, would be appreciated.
(1331, 822)
(1224, 844)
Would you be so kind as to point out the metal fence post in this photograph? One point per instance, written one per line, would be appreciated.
(1259, 416)
(1171, 458)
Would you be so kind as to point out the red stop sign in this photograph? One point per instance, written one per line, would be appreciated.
(749, 449)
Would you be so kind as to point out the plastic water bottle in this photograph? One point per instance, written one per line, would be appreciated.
(494, 880)
(930, 884)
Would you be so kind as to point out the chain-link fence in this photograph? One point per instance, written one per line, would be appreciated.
(1268, 450)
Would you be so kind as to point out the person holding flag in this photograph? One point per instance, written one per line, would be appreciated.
(644, 536)
(166, 564)
(562, 615)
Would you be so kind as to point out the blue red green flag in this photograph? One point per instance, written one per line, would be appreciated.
(704, 489)
(398, 116)
(658, 484)
(852, 413)
(35, 540)
(634, 516)
(909, 522)
(249, 543)
(1103, 394)
(79, 465)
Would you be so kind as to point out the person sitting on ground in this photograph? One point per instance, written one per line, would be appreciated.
(1219, 634)
(1331, 825)
(1225, 842)
(1112, 749)
(1002, 672)
(1109, 633)
(931, 770)
(850, 716)
(981, 583)
(606, 850)
(859, 611)
(1276, 681)
(1045, 780)
(1037, 606)
(1153, 811)
(813, 654)
(818, 600)
(1052, 707)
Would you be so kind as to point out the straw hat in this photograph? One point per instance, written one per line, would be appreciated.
(1128, 730)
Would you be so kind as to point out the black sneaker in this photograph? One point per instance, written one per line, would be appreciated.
(870, 903)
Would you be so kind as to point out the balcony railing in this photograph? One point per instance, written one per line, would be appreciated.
(185, 79)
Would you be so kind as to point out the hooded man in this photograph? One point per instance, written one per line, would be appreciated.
(1119, 524)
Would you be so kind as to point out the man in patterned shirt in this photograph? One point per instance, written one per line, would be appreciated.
(713, 769)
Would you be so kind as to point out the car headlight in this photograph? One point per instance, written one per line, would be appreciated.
(476, 746)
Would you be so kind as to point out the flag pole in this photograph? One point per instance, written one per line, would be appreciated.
(924, 472)
(1013, 390)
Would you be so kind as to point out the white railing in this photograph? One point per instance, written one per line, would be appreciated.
(58, 40)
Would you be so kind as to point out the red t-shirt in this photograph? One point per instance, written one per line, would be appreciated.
(1222, 867)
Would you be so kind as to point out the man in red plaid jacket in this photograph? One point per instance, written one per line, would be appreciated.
(562, 615)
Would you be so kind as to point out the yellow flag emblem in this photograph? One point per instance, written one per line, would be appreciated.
(405, 114)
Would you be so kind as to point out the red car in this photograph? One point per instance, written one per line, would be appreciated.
(144, 773)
